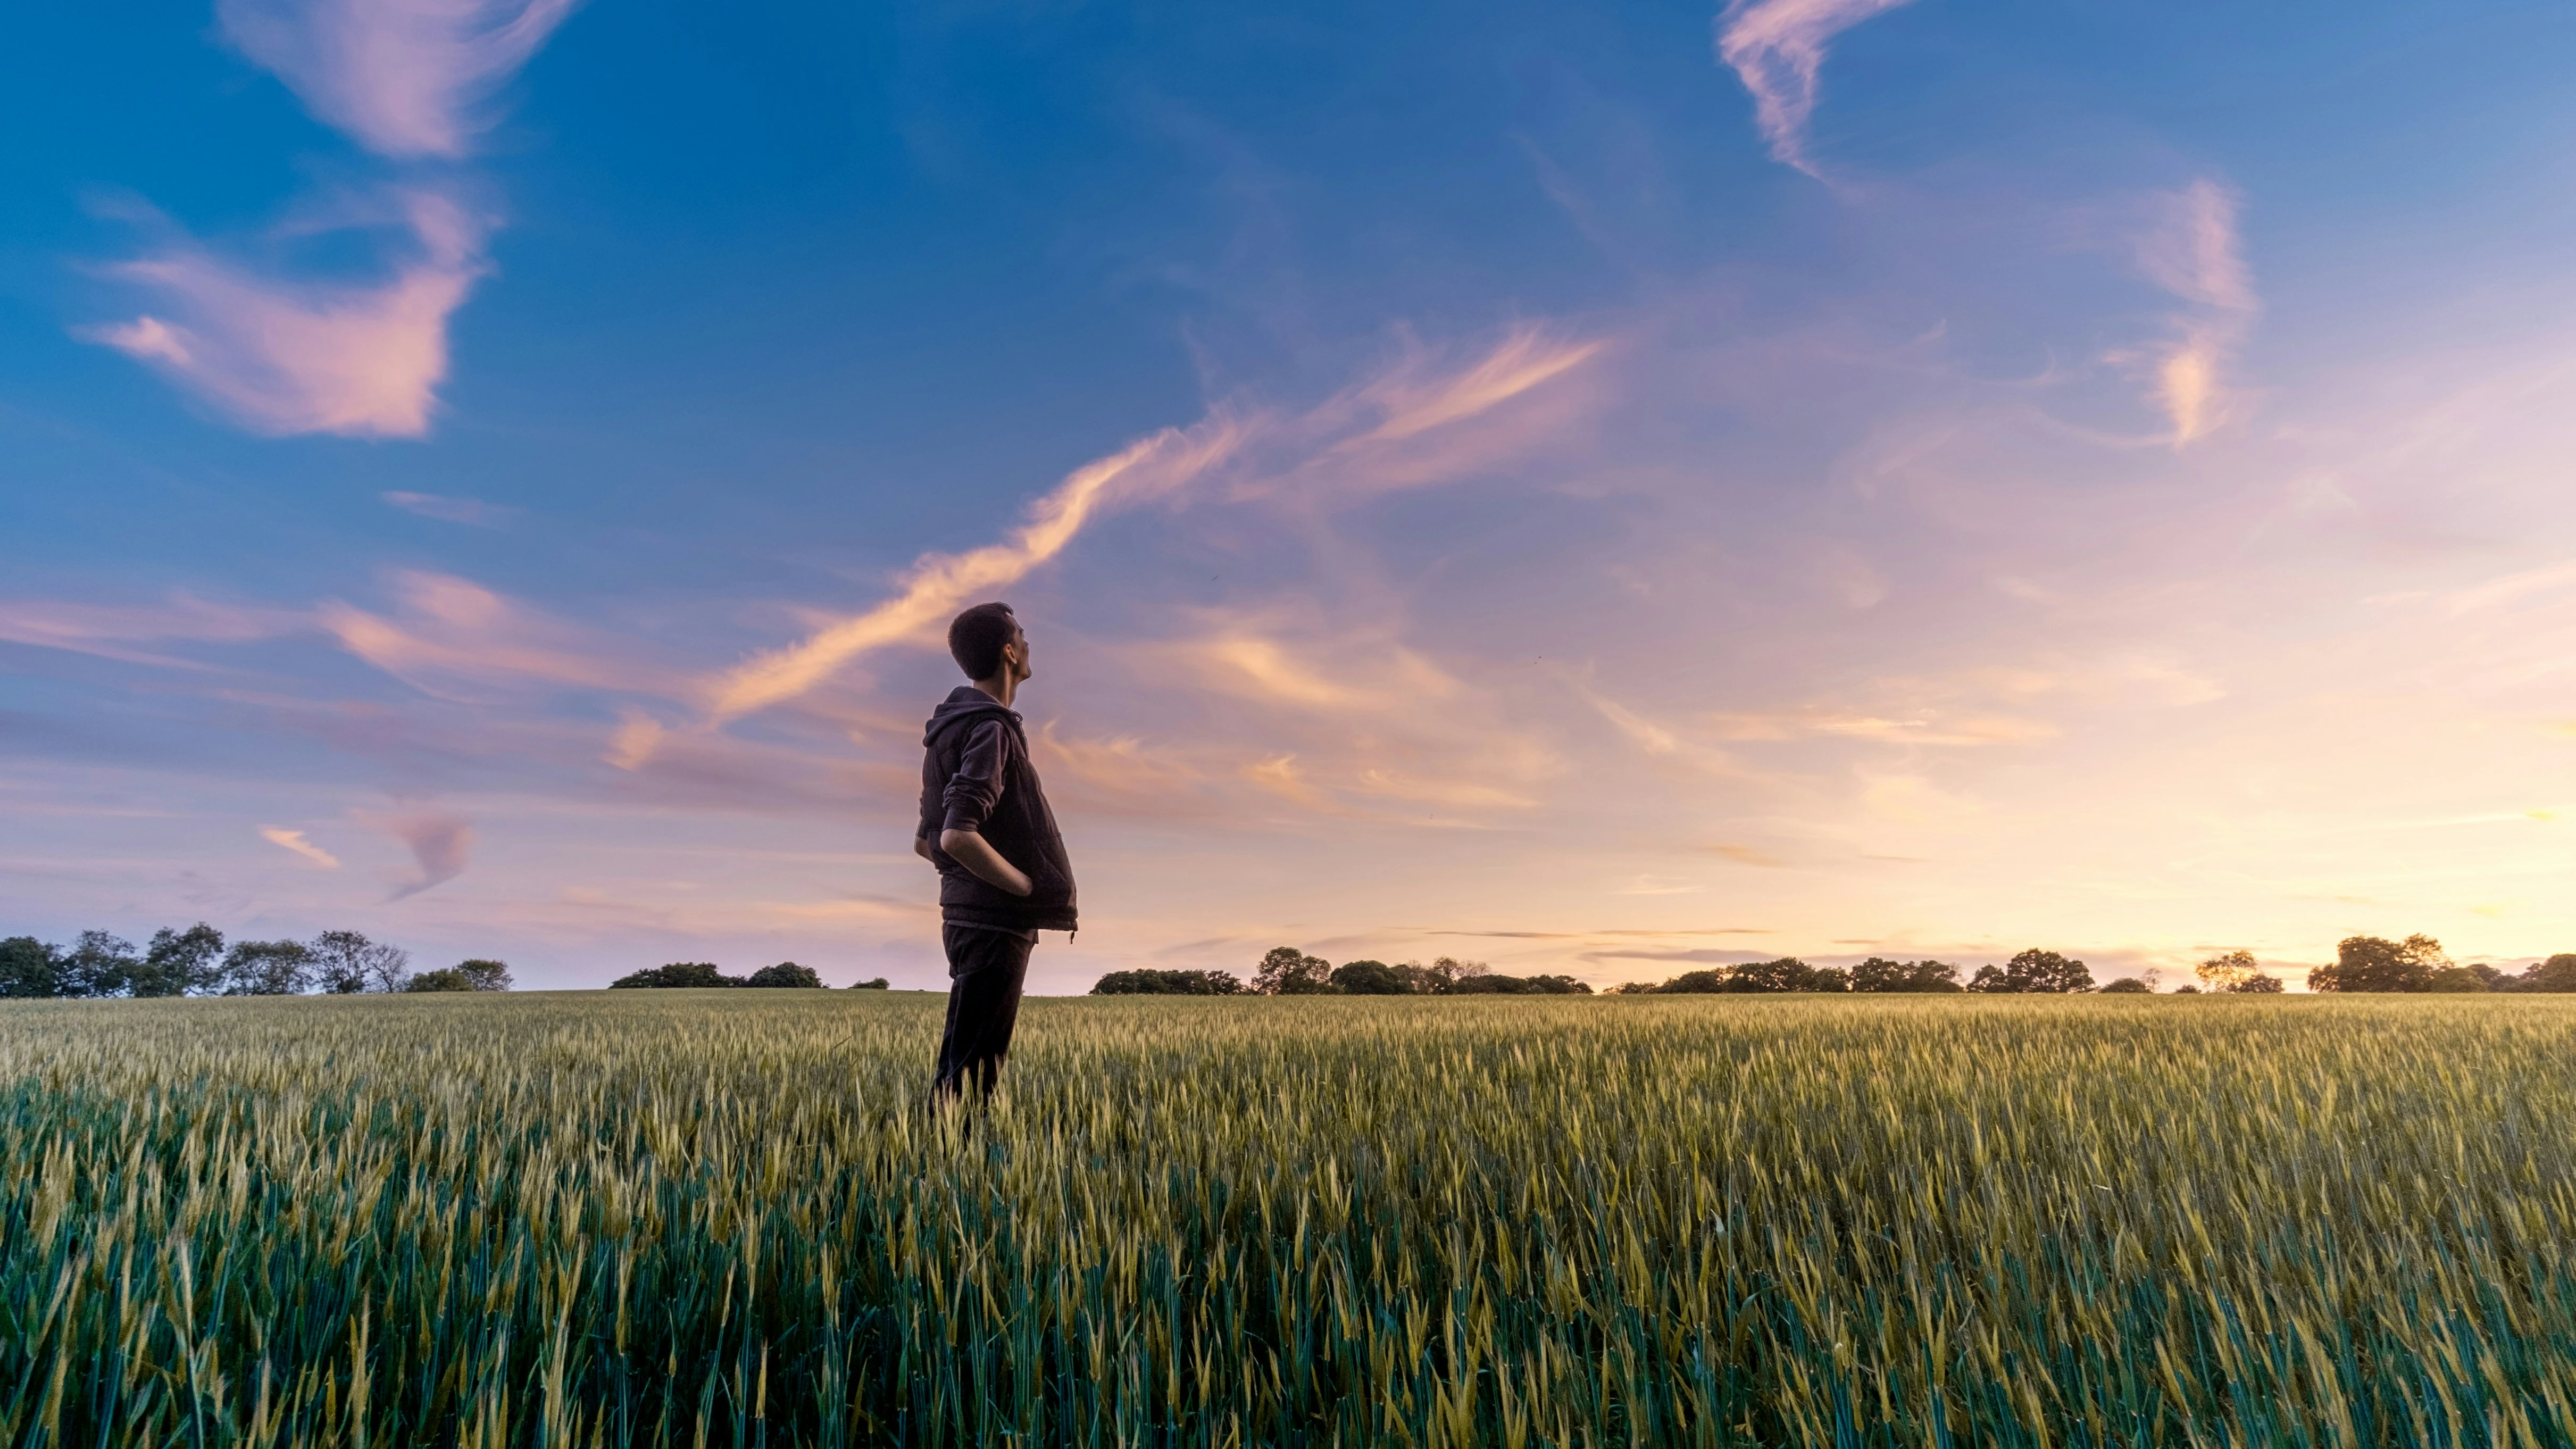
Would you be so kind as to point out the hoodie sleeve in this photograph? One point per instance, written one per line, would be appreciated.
(981, 770)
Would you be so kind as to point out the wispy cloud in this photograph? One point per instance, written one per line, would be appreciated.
(1777, 47)
(440, 845)
(451, 635)
(282, 356)
(473, 511)
(1410, 401)
(109, 630)
(937, 586)
(294, 840)
(2189, 247)
(405, 78)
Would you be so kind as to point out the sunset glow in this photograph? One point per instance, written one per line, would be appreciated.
(1590, 492)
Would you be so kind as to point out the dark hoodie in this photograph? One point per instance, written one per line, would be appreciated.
(976, 776)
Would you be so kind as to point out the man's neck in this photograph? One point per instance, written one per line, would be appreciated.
(1002, 687)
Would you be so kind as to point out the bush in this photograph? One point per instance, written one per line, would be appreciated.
(2127, 986)
(2258, 984)
(875, 983)
(679, 974)
(785, 973)
(1168, 983)
(445, 978)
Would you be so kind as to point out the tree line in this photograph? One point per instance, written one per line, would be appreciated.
(196, 962)
(698, 975)
(1288, 971)
(2362, 963)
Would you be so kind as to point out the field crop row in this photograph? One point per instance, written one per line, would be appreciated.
(688, 1218)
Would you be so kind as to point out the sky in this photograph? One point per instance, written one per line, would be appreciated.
(1591, 489)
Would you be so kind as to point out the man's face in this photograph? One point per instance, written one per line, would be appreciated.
(1015, 655)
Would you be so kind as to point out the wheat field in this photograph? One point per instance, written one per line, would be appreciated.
(700, 1218)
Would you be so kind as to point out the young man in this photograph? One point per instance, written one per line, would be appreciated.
(1003, 876)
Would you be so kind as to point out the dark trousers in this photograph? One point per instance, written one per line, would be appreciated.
(985, 972)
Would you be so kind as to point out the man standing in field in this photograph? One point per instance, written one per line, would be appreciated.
(1003, 876)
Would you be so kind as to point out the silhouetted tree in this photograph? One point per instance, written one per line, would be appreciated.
(1287, 971)
(100, 964)
(2375, 963)
(874, 983)
(346, 962)
(477, 975)
(2558, 973)
(1168, 983)
(785, 973)
(1786, 974)
(2127, 986)
(1880, 974)
(2456, 979)
(1490, 984)
(29, 967)
(679, 975)
(2033, 971)
(267, 968)
(179, 962)
(1371, 978)
(1694, 983)
(2261, 983)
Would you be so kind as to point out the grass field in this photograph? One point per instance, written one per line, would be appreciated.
(727, 1218)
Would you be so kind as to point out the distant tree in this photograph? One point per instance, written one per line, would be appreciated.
(873, 983)
(346, 962)
(1880, 974)
(475, 975)
(2558, 973)
(1490, 984)
(2186, 991)
(29, 967)
(2261, 983)
(1695, 983)
(1786, 974)
(678, 975)
(2456, 979)
(2375, 963)
(100, 964)
(2127, 986)
(1371, 978)
(1287, 971)
(1169, 983)
(2222, 972)
(785, 973)
(1445, 972)
(179, 962)
(267, 968)
(2033, 971)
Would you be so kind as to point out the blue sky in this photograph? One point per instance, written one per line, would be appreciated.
(1601, 489)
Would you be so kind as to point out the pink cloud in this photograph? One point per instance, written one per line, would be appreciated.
(1777, 47)
(285, 357)
(440, 844)
(450, 634)
(108, 630)
(405, 78)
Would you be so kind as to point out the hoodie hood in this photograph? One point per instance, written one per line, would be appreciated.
(965, 703)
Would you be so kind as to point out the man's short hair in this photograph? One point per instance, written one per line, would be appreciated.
(976, 637)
